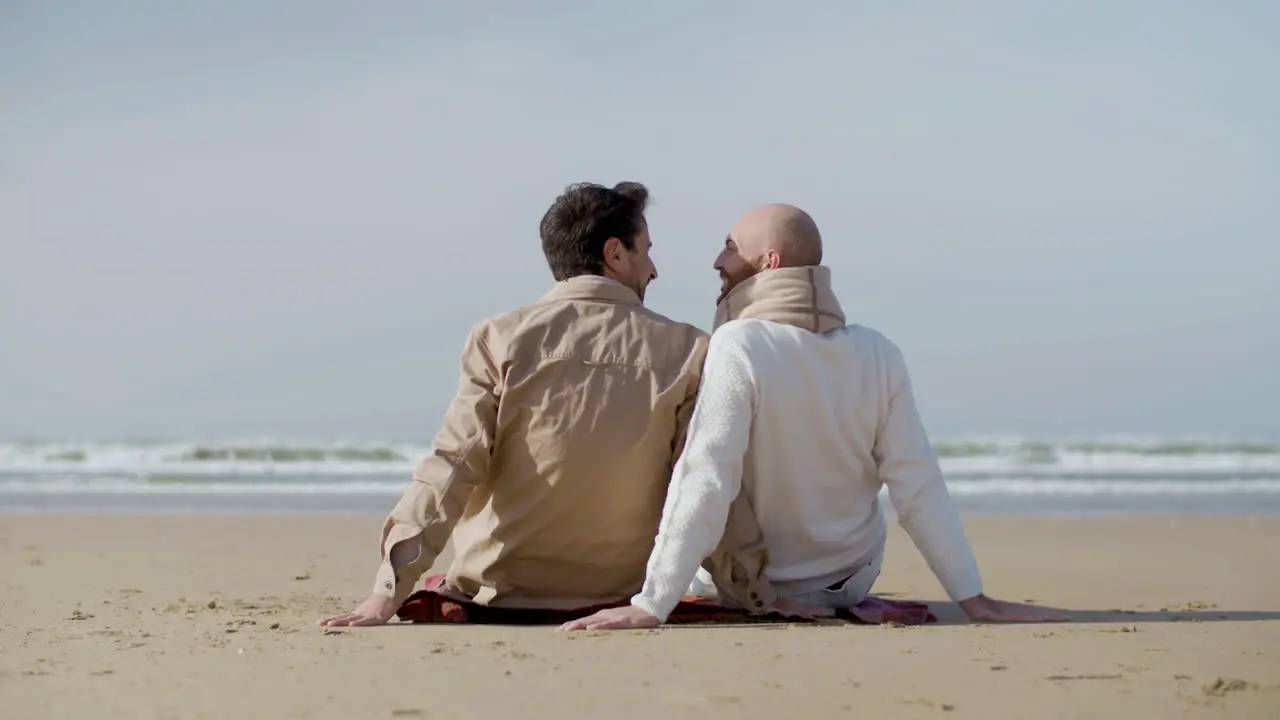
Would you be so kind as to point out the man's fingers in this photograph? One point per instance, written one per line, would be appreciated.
(334, 620)
(591, 622)
(365, 621)
(623, 623)
(601, 622)
(346, 620)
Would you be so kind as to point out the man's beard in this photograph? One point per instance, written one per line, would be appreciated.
(724, 288)
(639, 286)
(727, 284)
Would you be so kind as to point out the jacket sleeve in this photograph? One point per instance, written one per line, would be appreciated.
(420, 524)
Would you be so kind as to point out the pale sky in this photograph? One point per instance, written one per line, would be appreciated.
(236, 218)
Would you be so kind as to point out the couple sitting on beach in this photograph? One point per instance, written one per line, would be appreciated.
(563, 474)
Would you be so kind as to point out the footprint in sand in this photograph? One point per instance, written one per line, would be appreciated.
(1221, 686)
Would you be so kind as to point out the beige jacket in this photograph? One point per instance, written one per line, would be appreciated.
(552, 464)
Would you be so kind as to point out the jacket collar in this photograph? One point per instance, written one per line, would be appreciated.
(798, 296)
(592, 287)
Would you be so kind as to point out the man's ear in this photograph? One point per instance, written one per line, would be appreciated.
(771, 260)
(613, 254)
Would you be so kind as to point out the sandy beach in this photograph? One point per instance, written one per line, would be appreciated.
(168, 617)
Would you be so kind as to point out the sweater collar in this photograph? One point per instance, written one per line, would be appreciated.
(797, 296)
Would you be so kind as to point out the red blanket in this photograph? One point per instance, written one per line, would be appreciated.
(430, 606)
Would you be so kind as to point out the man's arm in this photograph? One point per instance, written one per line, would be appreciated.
(419, 526)
(459, 461)
(704, 517)
(706, 479)
(909, 468)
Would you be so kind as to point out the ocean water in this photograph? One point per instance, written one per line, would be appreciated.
(985, 475)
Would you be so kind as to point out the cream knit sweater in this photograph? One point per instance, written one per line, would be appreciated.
(810, 426)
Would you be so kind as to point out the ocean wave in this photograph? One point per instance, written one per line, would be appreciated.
(992, 487)
(131, 486)
(250, 458)
(1034, 451)
(1038, 486)
(959, 458)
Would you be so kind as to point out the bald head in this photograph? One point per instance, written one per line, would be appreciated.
(768, 237)
(783, 229)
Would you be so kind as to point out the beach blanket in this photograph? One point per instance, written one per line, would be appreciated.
(431, 605)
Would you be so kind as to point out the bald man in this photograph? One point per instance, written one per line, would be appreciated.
(801, 419)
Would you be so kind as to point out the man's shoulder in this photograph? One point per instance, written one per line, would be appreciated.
(741, 329)
(500, 324)
(512, 323)
(870, 336)
(740, 338)
(738, 332)
(683, 329)
(744, 333)
(645, 314)
(680, 342)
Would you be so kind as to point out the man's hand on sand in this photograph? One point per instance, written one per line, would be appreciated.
(628, 617)
(375, 610)
(984, 609)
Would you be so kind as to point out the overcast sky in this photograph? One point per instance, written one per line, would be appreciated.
(234, 217)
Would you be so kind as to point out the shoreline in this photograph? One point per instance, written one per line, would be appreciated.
(1015, 475)
(250, 506)
(172, 616)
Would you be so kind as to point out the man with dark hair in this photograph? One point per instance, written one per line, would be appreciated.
(577, 226)
(551, 467)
